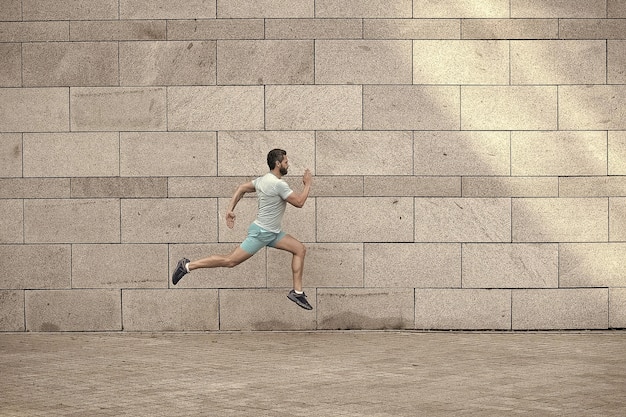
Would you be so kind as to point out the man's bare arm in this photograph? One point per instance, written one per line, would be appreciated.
(244, 188)
(298, 199)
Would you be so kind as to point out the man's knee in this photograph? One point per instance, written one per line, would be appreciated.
(301, 251)
(231, 263)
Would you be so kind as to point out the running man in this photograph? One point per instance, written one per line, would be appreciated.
(273, 194)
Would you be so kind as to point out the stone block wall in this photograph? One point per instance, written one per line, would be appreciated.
(469, 160)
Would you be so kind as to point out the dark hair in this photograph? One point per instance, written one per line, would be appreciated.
(275, 155)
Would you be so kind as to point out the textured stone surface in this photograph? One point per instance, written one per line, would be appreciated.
(532, 265)
(535, 309)
(462, 309)
(386, 308)
(162, 310)
(264, 309)
(119, 266)
(73, 310)
(469, 163)
(476, 220)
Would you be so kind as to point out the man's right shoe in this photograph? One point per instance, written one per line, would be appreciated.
(299, 299)
(180, 271)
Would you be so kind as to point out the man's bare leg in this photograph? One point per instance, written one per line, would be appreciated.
(214, 261)
(290, 244)
(221, 261)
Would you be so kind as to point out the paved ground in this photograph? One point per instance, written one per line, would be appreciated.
(313, 374)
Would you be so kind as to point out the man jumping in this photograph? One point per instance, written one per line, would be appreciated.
(273, 194)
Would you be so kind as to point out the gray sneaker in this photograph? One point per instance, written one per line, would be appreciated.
(180, 271)
(299, 299)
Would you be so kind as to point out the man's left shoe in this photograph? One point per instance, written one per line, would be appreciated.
(180, 271)
(299, 299)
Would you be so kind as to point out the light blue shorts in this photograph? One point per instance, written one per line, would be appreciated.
(258, 238)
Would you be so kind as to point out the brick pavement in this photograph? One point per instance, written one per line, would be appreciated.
(313, 373)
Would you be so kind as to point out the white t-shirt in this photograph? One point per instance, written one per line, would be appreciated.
(271, 193)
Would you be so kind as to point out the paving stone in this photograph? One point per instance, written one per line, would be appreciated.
(10, 155)
(11, 311)
(35, 266)
(510, 187)
(161, 9)
(118, 30)
(510, 28)
(265, 9)
(70, 10)
(451, 9)
(11, 66)
(34, 110)
(558, 8)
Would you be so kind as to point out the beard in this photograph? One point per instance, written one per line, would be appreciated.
(283, 171)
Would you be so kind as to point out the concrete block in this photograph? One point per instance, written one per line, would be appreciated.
(167, 63)
(215, 108)
(313, 29)
(558, 8)
(11, 10)
(510, 28)
(462, 220)
(560, 220)
(72, 221)
(300, 223)
(360, 8)
(409, 186)
(369, 219)
(548, 309)
(462, 153)
(158, 154)
(617, 308)
(164, 310)
(70, 64)
(71, 154)
(558, 153)
(460, 62)
(617, 219)
(12, 311)
(11, 65)
(363, 62)
(336, 186)
(245, 153)
(616, 62)
(264, 310)
(34, 109)
(34, 187)
(592, 28)
(510, 187)
(119, 266)
(163, 9)
(611, 186)
(119, 187)
(70, 10)
(616, 9)
(411, 107)
(169, 220)
(203, 186)
(454, 309)
(592, 265)
(313, 107)
(215, 29)
(369, 153)
(371, 309)
(505, 265)
(450, 9)
(325, 265)
(35, 266)
(118, 30)
(73, 310)
(34, 31)
(558, 62)
(10, 156)
(411, 29)
(250, 274)
(228, 9)
(617, 153)
(509, 108)
(11, 221)
(412, 265)
(118, 108)
(253, 62)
